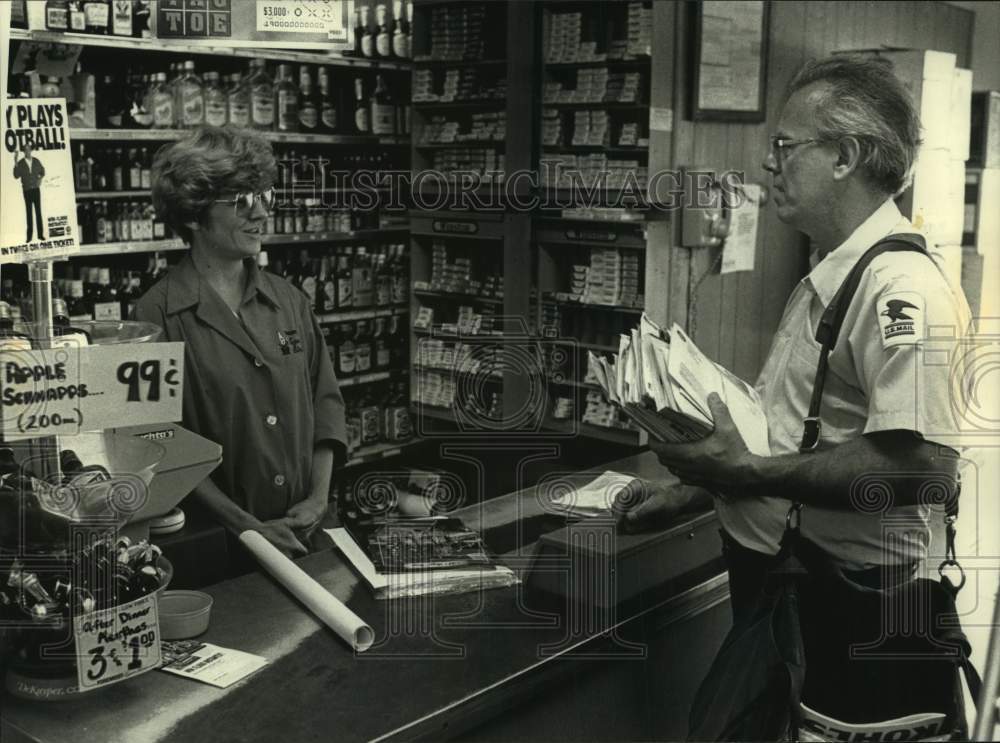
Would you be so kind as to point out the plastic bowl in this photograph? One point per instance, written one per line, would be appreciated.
(183, 614)
(108, 332)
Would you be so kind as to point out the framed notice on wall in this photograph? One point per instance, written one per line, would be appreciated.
(730, 61)
(290, 24)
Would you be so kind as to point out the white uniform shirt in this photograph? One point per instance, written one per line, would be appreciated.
(892, 368)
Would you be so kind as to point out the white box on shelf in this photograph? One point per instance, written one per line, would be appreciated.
(961, 114)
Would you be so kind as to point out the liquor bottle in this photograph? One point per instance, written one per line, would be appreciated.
(160, 229)
(145, 170)
(162, 102)
(56, 15)
(328, 118)
(286, 100)
(64, 334)
(138, 115)
(130, 297)
(345, 280)
(370, 413)
(121, 17)
(192, 98)
(238, 101)
(344, 365)
(397, 343)
(119, 170)
(383, 118)
(309, 108)
(362, 348)
(361, 272)
(76, 307)
(383, 280)
(383, 39)
(401, 34)
(77, 20)
(381, 352)
(306, 278)
(134, 170)
(141, 18)
(102, 229)
(367, 38)
(96, 16)
(174, 86)
(215, 100)
(327, 287)
(400, 282)
(10, 339)
(261, 96)
(106, 305)
(359, 32)
(83, 171)
(362, 114)
(85, 221)
(111, 103)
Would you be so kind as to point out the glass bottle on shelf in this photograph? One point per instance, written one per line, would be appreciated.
(344, 365)
(327, 287)
(121, 18)
(238, 101)
(362, 348)
(111, 103)
(215, 100)
(140, 19)
(77, 20)
(106, 305)
(369, 412)
(261, 96)
(286, 100)
(367, 38)
(383, 40)
(77, 307)
(401, 33)
(309, 107)
(192, 98)
(145, 169)
(345, 280)
(383, 280)
(102, 224)
(162, 102)
(134, 170)
(119, 170)
(382, 353)
(96, 14)
(383, 116)
(362, 114)
(328, 118)
(364, 293)
(64, 334)
(139, 115)
(56, 15)
(83, 171)
(359, 32)
(10, 339)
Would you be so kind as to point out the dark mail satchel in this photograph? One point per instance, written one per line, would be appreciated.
(856, 653)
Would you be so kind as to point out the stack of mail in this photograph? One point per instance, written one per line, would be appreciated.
(662, 381)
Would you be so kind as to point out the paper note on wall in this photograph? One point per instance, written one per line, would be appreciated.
(740, 246)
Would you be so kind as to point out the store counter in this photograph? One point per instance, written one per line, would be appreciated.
(504, 664)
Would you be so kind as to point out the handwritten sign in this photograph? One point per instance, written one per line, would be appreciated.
(116, 644)
(67, 390)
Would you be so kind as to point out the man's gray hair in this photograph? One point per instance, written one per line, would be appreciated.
(863, 99)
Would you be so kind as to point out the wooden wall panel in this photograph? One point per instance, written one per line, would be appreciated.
(736, 315)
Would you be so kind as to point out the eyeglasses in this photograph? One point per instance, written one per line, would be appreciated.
(780, 144)
(247, 199)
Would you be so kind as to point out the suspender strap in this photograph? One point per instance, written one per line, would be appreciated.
(833, 318)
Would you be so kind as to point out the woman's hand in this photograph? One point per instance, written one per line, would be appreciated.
(305, 515)
(280, 534)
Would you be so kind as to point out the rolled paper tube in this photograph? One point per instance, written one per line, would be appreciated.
(321, 602)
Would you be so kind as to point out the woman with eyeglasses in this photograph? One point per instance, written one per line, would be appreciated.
(258, 377)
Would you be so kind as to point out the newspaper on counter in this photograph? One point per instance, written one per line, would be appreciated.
(662, 381)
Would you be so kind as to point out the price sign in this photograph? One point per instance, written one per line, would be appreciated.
(63, 391)
(116, 644)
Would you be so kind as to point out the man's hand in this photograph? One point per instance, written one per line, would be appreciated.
(305, 515)
(720, 462)
(280, 534)
(646, 506)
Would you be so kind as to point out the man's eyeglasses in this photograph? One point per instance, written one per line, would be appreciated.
(245, 200)
(780, 144)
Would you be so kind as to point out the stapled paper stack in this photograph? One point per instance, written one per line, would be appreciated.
(662, 381)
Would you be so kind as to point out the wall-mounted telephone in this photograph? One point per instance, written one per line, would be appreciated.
(705, 211)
